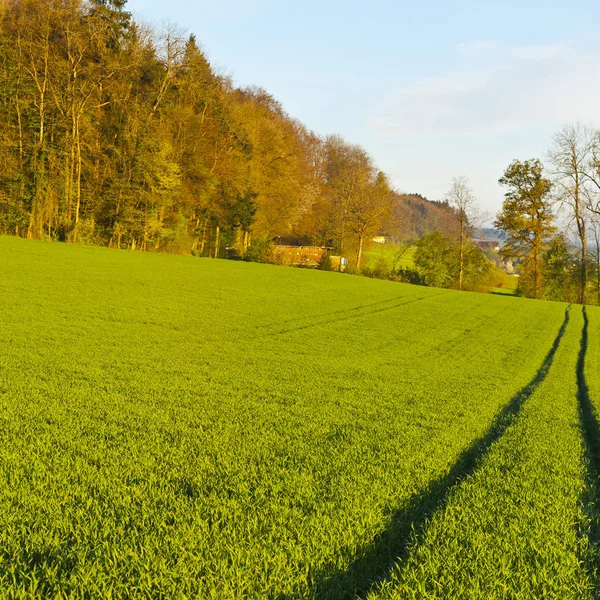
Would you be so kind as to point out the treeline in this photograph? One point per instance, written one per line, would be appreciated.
(551, 217)
(112, 133)
(550, 220)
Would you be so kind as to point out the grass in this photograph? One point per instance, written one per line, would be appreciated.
(589, 414)
(509, 530)
(509, 282)
(387, 252)
(176, 427)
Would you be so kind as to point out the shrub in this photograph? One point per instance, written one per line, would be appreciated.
(382, 269)
(261, 250)
(406, 275)
(325, 263)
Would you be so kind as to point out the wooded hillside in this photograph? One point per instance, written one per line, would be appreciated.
(114, 134)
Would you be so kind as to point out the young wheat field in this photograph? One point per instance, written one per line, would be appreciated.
(175, 428)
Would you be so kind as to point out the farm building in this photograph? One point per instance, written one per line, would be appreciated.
(383, 238)
(494, 245)
(308, 256)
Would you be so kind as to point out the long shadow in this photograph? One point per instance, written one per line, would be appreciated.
(389, 550)
(591, 436)
(351, 317)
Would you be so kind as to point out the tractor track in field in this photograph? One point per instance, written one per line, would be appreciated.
(590, 429)
(386, 553)
(352, 316)
(330, 313)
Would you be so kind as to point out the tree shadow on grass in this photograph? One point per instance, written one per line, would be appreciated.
(591, 437)
(387, 552)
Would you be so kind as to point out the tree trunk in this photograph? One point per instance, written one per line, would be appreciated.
(536, 273)
(217, 230)
(598, 275)
(70, 161)
(359, 251)
(31, 218)
(77, 180)
(203, 241)
(584, 259)
(461, 263)
(239, 239)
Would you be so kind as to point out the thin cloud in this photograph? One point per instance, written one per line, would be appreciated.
(514, 88)
(477, 47)
(541, 52)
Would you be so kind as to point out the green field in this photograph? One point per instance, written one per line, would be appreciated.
(386, 256)
(175, 427)
(386, 253)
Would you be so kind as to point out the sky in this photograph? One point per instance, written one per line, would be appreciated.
(431, 89)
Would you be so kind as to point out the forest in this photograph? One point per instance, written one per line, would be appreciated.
(120, 135)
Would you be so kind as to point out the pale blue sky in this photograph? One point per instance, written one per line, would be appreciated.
(431, 89)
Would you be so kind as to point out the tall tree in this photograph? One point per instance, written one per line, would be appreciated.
(347, 166)
(595, 251)
(560, 271)
(570, 157)
(277, 169)
(437, 257)
(461, 198)
(367, 206)
(526, 218)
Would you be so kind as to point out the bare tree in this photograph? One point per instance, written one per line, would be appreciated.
(571, 155)
(172, 50)
(592, 173)
(594, 223)
(461, 198)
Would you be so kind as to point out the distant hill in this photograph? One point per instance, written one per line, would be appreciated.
(489, 233)
(414, 216)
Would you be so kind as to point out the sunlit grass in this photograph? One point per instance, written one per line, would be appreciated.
(176, 427)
